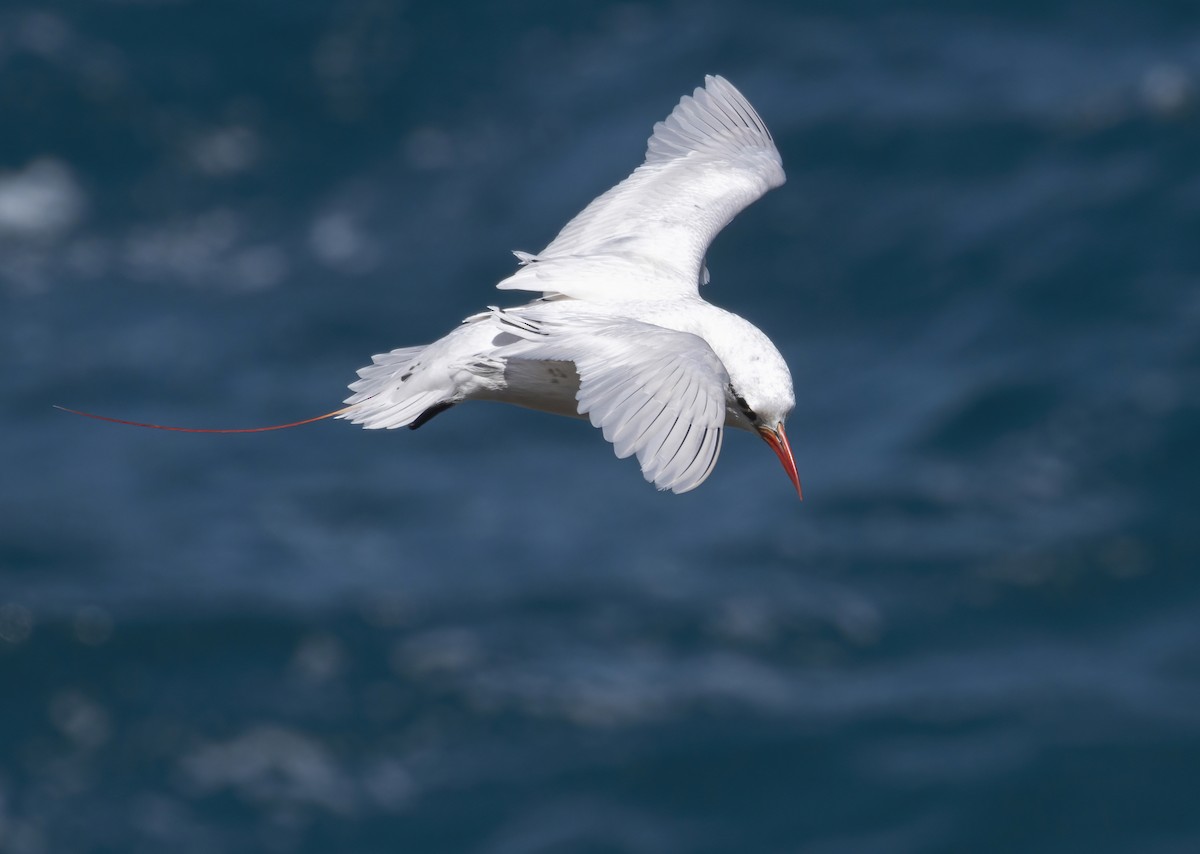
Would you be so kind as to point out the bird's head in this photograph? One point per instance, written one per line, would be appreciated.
(760, 398)
(767, 420)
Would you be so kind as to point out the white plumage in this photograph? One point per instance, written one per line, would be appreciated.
(620, 333)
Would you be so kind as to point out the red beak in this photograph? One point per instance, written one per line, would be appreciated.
(777, 439)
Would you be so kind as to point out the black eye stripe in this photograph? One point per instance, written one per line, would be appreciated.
(745, 407)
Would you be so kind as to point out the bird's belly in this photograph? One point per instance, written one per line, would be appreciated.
(543, 385)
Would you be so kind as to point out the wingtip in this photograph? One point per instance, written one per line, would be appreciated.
(716, 119)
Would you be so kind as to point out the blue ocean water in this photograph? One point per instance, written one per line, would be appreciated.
(979, 632)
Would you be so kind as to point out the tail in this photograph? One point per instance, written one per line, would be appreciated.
(398, 389)
(333, 414)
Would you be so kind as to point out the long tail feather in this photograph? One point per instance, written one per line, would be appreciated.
(202, 429)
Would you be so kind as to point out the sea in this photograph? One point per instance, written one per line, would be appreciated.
(980, 630)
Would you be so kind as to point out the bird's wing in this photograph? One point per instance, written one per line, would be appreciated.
(709, 159)
(654, 392)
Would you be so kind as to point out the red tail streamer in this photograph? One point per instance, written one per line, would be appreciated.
(202, 429)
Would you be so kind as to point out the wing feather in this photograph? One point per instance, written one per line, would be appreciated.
(646, 238)
(653, 392)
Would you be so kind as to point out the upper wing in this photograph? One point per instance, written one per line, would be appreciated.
(654, 392)
(712, 157)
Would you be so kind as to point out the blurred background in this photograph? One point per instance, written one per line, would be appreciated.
(979, 632)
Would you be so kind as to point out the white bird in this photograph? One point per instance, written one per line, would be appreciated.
(621, 334)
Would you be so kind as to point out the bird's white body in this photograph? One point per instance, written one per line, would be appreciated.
(620, 333)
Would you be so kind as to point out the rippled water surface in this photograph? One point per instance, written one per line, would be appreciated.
(981, 630)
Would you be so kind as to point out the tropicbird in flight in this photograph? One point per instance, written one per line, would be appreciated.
(620, 333)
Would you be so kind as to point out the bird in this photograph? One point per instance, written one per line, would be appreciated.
(619, 333)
